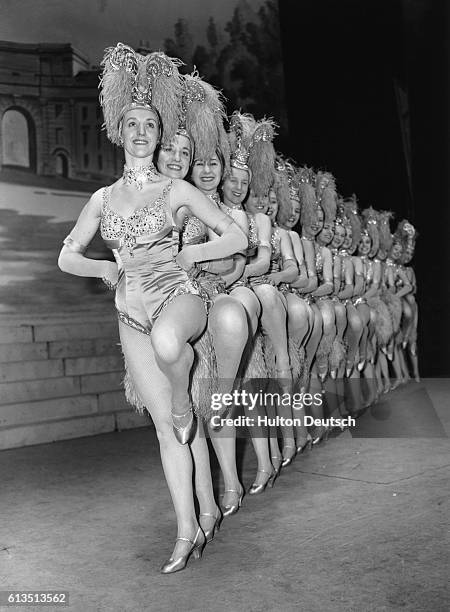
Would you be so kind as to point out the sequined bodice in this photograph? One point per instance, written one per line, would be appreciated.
(275, 256)
(319, 260)
(194, 231)
(146, 221)
(275, 242)
(398, 276)
(145, 246)
(252, 234)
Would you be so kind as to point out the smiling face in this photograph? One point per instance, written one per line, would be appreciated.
(289, 218)
(235, 187)
(396, 251)
(325, 236)
(365, 244)
(294, 217)
(140, 134)
(256, 204)
(174, 159)
(348, 238)
(317, 224)
(207, 174)
(339, 236)
(272, 209)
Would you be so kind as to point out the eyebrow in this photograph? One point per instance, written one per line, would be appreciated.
(136, 119)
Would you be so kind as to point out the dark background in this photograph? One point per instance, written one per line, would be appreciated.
(341, 59)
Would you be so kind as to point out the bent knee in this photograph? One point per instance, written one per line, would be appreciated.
(166, 344)
(228, 316)
(328, 318)
(268, 296)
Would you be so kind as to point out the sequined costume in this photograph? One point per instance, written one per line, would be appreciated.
(145, 245)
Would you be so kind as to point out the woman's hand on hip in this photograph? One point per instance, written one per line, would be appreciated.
(186, 258)
(110, 274)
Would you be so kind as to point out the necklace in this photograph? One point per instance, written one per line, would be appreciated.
(139, 175)
(214, 197)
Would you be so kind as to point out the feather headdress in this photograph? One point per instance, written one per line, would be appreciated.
(405, 234)
(242, 128)
(326, 195)
(131, 80)
(261, 159)
(307, 195)
(293, 180)
(352, 215)
(384, 230)
(281, 183)
(202, 116)
(370, 226)
(340, 211)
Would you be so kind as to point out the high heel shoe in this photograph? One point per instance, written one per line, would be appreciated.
(230, 509)
(256, 489)
(175, 565)
(211, 532)
(184, 432)
(348, 368)
(322, 437)
(301, 448)
(276, 462)
(288, 460)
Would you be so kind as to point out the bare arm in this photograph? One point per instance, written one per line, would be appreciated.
(337, 274)
(261, 262)
(347, 291)
(289, 271)
(407, 287)
(71, 258)
(231, 237)
(302, 279)
(376, 278)
(310, 259)
(237, 271)
(327, 286)
(359, 277)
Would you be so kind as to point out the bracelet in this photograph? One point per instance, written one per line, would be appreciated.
(264, 243)
(111, 286)
(73, 245)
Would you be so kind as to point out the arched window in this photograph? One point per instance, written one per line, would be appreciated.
(18, 139)
(62, 165)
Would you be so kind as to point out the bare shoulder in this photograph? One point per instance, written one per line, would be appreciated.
(94, 204)
(182, 189)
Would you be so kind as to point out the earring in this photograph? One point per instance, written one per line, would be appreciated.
(121, 140)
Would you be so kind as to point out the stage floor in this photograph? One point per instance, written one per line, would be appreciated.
(358, 524)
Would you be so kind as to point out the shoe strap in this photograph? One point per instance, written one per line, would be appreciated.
(283, 372)
(188, 539)
(180, 416)
(264, 472)
(216, 515)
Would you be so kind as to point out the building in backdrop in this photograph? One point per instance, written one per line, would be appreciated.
(53, 152)
(51, 118)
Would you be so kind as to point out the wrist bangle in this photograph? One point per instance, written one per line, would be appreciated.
(73, 245)
(111, 286)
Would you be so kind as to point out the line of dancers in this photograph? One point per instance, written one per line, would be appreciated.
(236, 268)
